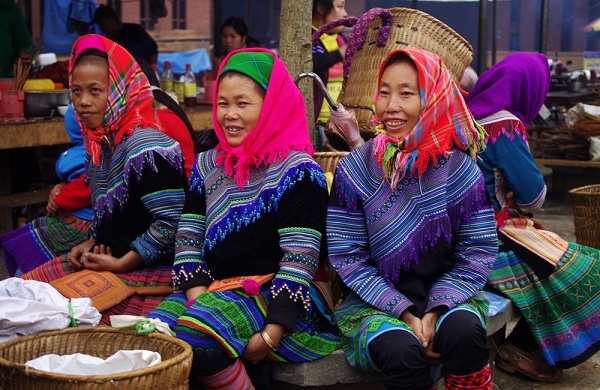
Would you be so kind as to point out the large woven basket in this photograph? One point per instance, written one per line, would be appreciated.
(586, 212)
(409, 28)
(328, 160)
(171, 373)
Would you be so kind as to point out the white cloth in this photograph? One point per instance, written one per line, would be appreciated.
(145, 324)
(82, 364)
(29, 306)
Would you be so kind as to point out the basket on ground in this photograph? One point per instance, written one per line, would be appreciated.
(171, 373)
(586, 212)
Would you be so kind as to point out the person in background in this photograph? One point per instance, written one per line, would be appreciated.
(468, 80)
(234, 36)
(135, 172)
(15, 39)
(554, 283)
(410, 232)
(328, 60)
(68, 213)
(249, 239)
(131, 36)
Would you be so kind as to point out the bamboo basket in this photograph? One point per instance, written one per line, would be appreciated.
(328, 160)
(409, 28)
(586, 213)
(171, 373)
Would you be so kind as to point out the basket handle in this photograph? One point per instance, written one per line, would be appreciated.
(359, 33)
(346, 22)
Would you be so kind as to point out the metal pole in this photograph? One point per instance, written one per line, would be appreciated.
(482, 42)
(544, 27)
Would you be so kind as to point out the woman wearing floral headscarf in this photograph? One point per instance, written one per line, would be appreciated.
(411, 233)
(135, 172)
(554, 283)
(248, 242)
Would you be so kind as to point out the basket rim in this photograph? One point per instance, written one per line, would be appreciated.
(582, 190)
(94, 378)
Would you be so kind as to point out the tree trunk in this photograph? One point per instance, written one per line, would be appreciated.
(295, 49)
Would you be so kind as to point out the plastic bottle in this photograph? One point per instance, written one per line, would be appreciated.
(166, 78)
(155, 70)
(190, 89)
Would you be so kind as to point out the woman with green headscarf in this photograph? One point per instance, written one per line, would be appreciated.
(248, 244)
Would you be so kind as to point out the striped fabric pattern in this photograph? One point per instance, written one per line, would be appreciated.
(377, 233)
(232, 209)
(562, 310)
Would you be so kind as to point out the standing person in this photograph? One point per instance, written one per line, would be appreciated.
(234, 36)
(135, 172)
(548, 279)
(411, 234)
(248, 242)
(328, 60)
(131, 36)
(15, 39)
(68, 213)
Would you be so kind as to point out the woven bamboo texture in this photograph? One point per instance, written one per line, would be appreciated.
(410, 28)
(328, 160)
(586, 213)
(171, 373)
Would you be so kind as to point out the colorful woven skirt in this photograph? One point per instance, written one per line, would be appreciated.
(360, 322)
(218, 326)
(563, 309)
(136, 304)
(42, 239)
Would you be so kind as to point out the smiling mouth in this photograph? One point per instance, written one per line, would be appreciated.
(234, 129)
(395, 124)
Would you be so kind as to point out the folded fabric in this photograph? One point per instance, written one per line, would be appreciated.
(104, 288)
(29, 306)
(143, 325)
(250, 284)
(82, 364)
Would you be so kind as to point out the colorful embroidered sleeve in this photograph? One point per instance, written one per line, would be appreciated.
(189, 268)
(301, 220)
(349, 250)
(474, 237)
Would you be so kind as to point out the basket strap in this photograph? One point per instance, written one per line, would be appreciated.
(347, 22)
(359, 34)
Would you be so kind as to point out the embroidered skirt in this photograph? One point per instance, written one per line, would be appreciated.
(563, 309)
(218, 325)
(360, 322)
(42, 239)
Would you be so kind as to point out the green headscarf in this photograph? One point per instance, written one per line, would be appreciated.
(256, 65)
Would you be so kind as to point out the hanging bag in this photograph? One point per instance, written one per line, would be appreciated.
(80, 17)
(376, 33)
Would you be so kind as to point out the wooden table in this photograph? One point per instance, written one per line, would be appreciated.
(568, 99)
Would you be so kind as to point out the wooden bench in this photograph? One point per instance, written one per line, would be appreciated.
(569, 174)
(335, 369)
(181, 40)
(33, 200)
(567, 163)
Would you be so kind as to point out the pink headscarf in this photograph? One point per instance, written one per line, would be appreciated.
(281, 127)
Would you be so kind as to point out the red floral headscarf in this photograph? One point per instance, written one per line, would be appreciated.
(130, 99)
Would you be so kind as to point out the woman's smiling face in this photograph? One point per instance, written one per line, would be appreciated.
(398, 104)
(239, 103)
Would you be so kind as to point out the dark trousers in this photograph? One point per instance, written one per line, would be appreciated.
(398, 355)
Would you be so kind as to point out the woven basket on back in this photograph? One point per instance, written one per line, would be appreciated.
(380, 31)
(586, 213)
(171, 373)
(328, 160)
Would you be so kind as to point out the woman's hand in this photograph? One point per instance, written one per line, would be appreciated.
(416, 325)
(52, 208)
(101, 259)
(77, 251)
(429, 320)
(257, 348)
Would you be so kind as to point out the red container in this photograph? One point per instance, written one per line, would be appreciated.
(12, 105)
(7, 84)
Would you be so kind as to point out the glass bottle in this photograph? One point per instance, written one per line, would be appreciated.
(166, 78)
(190, 89)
